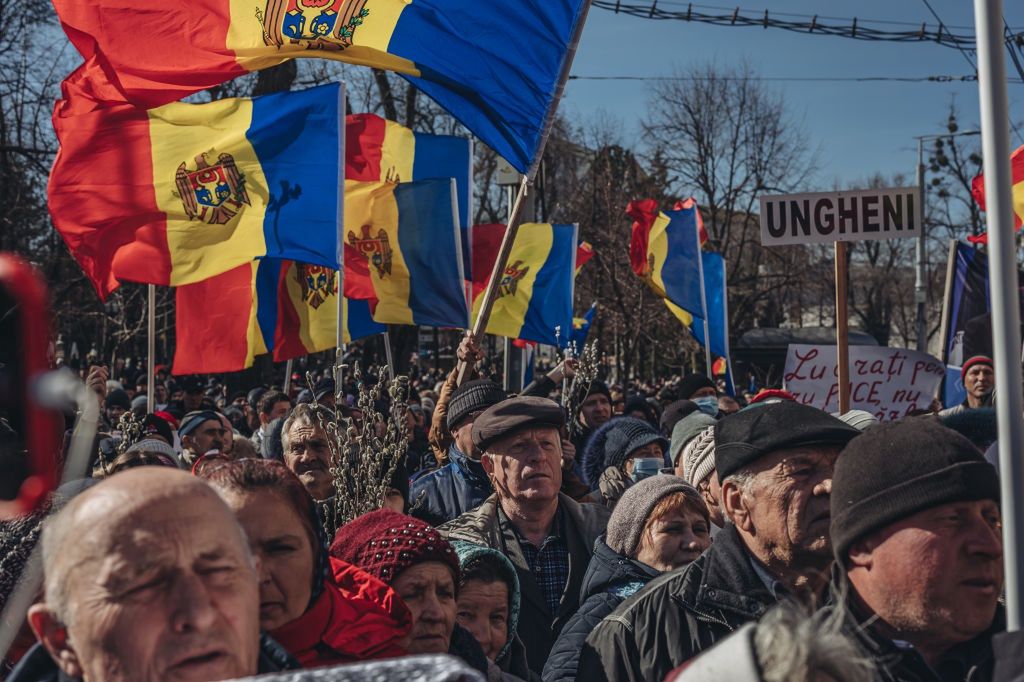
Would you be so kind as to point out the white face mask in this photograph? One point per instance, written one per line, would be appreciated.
(708, 405)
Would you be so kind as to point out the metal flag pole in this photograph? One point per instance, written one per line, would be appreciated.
(151, 348)
(288, 376)
(1006, 341)
(339, 340)
(387, 355)
(703, 304)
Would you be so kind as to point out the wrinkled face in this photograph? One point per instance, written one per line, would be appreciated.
(674, 540)
(168, 593)
(428, 589)
(526, 466)
(309, 456)
(279, 539)
(483, 610)
(788, 502)
(595, 410)
(979, 381)
(210, 435)
(936, 575)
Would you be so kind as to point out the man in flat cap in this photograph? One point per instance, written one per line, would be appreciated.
(917, 537)
(775, 465)
(548, 537)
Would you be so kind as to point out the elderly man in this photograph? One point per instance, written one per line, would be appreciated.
(775, 464)
(147, 577)
(307, 451)
(917, 534)
(979, 380)
(548, 537)
(201, 432)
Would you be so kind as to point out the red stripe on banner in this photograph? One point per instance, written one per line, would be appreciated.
(212, 319)
(364, 140)
(643, 212)
(119, 231)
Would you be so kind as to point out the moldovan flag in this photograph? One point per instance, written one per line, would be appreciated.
(1017, 182)
(377, 149)
(663, 251)
(270, 305)
(584, 252)
(185, 192)
(403, 249)
(495, 66)
(535, 294)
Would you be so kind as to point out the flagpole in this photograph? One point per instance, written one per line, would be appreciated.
(288, 376)
(725, 315)
(151, 348)
(387, 354)
(339, 339)
(703, 303)
(995, 141)
(513, 223)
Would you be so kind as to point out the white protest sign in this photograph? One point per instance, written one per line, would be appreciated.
(826, 217)
(887, 382)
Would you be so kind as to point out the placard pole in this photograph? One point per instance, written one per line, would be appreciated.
(842, 330)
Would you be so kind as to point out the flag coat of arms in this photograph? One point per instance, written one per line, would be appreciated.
(535, 294)
(500, 82)
(402, 249)
(377, 150)
(268, 306)
(184, 192)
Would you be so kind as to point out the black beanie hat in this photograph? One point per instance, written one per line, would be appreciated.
(613, 442)
(118, 398)
(897, 469)
(746, 436)
(597, 386)
(692, 383)
(473, 396)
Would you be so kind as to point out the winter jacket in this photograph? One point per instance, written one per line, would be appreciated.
(677, 615)
(580, 524)
(452, 490)
(356, 618)
(37, 666)
(610, 579)
(971, 661)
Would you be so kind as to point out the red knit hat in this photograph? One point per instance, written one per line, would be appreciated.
(971, 362)
(385, 543)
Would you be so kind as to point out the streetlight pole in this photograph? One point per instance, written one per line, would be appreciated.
(921, 277)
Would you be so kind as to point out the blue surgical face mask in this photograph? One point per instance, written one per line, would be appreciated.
(708, 404)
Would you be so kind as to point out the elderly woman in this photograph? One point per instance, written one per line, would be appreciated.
(660, 524)
(611, 456)
(422, 567)
(488, 606)
(323, 610)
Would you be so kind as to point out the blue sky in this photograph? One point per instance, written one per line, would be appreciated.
(860, 128)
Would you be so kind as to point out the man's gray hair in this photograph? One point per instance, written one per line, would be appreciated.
(792, 645)
(304, 413)
(740, 479)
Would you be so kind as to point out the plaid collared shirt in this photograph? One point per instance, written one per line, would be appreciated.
(549, 564)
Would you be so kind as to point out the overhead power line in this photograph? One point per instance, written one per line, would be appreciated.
(796, 79)
(814, 25)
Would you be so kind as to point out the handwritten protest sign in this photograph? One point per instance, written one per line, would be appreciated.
(887, 382)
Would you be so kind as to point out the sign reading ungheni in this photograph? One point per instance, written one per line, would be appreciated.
(825, 217)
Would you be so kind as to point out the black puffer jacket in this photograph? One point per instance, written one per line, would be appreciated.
(611, 578)
(677, 616)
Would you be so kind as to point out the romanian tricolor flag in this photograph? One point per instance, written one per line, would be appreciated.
(1017, 182)
(185, 192)
(534, 297)
(380, 150)
(271, 305)
(496, 66)
(402, 249)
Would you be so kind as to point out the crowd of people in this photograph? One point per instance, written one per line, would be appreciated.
(666, 532)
